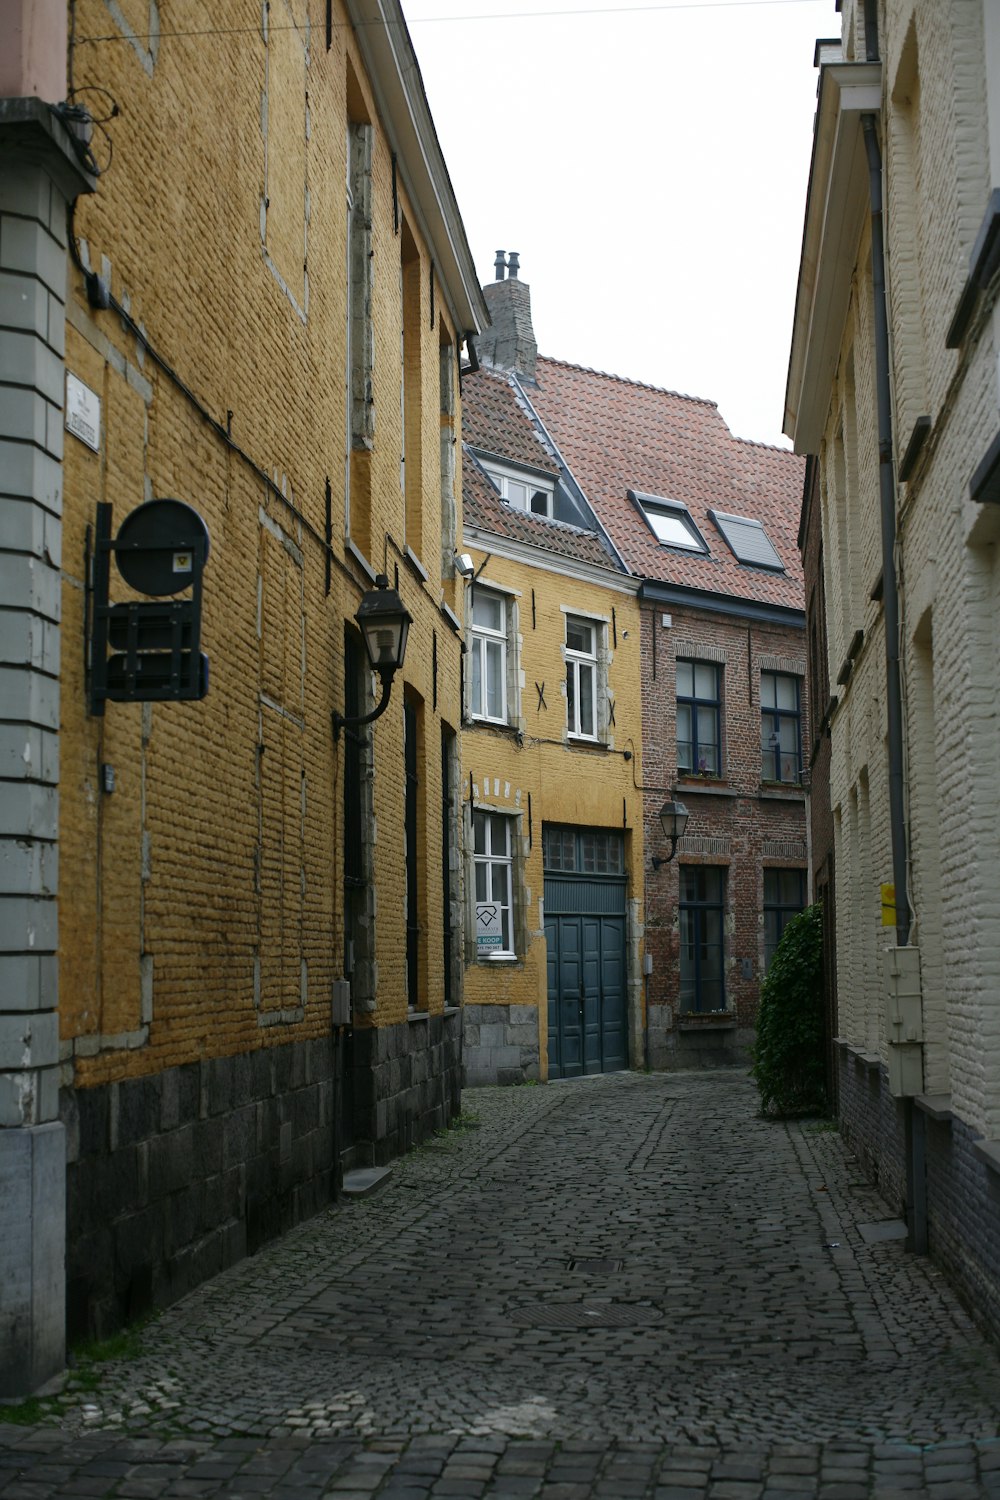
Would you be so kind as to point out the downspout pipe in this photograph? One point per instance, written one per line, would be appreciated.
(887, 506)
(913, 1120)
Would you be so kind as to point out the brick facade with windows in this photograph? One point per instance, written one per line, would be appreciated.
(707, 522)
(705, 525)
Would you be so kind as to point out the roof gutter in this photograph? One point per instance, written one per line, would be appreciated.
(394, 76)
(653, 591)
(834, 219)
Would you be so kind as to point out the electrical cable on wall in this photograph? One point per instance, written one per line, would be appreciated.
(99, 296)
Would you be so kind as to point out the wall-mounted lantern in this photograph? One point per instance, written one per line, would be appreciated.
(384, 622)
(673, 821)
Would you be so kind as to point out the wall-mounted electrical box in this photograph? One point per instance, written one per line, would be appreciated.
(904, 1021)
(341, 1006)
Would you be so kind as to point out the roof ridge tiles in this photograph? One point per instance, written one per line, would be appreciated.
(645, 385)
(759, 443)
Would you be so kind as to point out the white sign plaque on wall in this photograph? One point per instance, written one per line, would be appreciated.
(83, 412)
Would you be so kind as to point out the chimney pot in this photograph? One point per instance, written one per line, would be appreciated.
(499, 265)
(513, 265)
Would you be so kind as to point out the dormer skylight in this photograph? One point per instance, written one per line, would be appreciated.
(669, 521)
(748, 541)
(522, 489)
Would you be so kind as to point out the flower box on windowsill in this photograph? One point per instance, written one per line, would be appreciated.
(710, 1020)
(783, 791)
(699, 782)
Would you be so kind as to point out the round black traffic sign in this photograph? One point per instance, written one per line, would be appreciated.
(162, 547)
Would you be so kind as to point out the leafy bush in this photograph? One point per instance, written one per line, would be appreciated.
(788, 1060)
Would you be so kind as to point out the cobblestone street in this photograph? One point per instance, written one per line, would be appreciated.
(619, 1286)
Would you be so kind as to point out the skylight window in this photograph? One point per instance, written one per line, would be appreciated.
(748, 541)
(669, 521)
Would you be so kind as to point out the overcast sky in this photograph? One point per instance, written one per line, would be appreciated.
(649, 162)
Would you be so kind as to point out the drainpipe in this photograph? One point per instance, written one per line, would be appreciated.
(887, 499)
(916, 1186)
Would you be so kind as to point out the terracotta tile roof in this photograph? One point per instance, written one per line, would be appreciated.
(483, 508)
(618, 435)
(494, 420)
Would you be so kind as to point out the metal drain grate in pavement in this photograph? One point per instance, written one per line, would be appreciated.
(597, 1267)
(578, 1315)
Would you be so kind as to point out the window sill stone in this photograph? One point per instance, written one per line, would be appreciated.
(696, 786)
(936, 1106)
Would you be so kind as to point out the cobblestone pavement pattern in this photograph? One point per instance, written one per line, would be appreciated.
(620, 1286)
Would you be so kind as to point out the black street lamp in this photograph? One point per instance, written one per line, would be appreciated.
(673, 821)
(384, 622)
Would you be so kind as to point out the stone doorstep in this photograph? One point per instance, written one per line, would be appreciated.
(363, 1182)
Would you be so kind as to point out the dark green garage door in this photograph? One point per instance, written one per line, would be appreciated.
(585, 937)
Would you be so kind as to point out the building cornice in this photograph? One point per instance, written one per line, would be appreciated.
(547, 562)
(394, 75)
(654, 592)
(836, 208)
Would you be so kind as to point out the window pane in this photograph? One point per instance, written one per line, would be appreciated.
(488, 610)
(482, 894)
(500, 834)
(571, 695)
(540, 503)
(684, 748)
(498, 882)
(672, 529)
(494, 679)
(479, 832)
(580, 636)
(708, 749)
(477, 677)
(505, 929)
(587, 725)
(705, 681)
(786, 691)
(517, 494)
(788, 736)
(685, 679)
(767, 689)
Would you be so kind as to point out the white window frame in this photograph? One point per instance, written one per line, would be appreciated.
(504, 477)
(490, 861)
(480, 637)
(577, 663)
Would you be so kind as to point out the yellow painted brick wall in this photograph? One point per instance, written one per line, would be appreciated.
(201, 903)
(586, 785)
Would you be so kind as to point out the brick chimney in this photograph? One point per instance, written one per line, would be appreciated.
(510, 343)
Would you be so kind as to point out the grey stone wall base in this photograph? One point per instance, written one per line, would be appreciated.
(501, 1044)
(963, 1227)
(173, 1177)
(32, 1252)
(408, 1083)
(677, 1049)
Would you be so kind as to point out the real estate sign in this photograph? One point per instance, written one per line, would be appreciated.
(489, 932)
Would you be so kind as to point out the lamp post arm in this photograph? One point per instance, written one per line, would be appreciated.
(340, 721)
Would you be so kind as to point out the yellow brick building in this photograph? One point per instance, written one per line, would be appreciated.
(552, 808)
(268, 294)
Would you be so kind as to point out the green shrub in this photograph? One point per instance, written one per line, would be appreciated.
(788, 1060)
